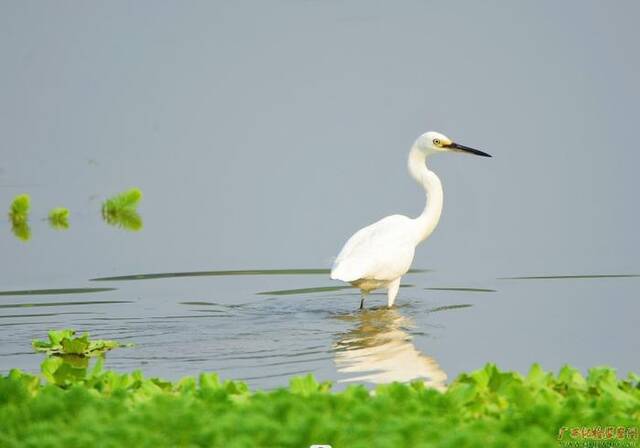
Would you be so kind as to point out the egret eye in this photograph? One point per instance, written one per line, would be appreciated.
(436, 142)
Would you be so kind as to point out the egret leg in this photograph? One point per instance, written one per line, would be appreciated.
(364, 296)
(392, 291)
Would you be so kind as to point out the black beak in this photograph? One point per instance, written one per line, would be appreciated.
(462, 148)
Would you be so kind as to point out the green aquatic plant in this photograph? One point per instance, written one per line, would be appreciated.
(68, 356)
(484, 408)
(21, 230)
(19, 216)
(65, 342)
(125, 219)
(126, 200)
(59, 218)
(121, 210)
(20, 206)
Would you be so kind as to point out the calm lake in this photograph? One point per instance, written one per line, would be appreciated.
(263, 139)
(264, 326)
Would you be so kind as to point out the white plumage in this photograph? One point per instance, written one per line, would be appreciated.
(381, 251)
(377, 256)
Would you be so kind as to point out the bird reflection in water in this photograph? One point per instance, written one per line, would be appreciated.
(380, 350)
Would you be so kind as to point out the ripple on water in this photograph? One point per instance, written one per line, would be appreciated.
(252, 272)
(34, 292)
(570, 277)
(262, 337)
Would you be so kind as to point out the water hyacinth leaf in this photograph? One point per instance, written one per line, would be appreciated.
(98, 367)
(572, 377)
(55, 340)
(31, 383)
(77, 361)
(512, 410)
(76, 346)
(307, 385)
(536, 375)
(64, 370)
(64, 342)
(59, 218)
(39, 345)
(49, 367)
(161, 384)
(209, 380)
(186, 384)
(101, 346)
(57, 336)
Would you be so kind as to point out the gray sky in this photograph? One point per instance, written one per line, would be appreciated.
(264, 133)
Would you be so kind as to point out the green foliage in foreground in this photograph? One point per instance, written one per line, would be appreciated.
(484, 408)
(120, 210)
(59, 218)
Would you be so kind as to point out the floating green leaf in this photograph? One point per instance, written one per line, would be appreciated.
(21, 230)
(65, 342)
(126, 199)
(59, 218)
(120, 210)
(19, 217)
(125, 219)
(20, 208)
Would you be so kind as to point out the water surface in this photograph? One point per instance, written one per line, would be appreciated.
(227, 321)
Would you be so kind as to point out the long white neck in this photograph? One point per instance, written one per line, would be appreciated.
(426, 223)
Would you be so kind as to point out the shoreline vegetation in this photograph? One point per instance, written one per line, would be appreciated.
(73, 403)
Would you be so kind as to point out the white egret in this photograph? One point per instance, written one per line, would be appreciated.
(377, 256)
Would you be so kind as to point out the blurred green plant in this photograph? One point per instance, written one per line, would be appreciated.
(20, 207)
(484, 408)
(59, 218)
(121, 210)
(68, 356)
(19, 216)
(65, 342)
(21, 230)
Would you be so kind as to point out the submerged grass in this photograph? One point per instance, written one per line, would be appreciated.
(484, 408)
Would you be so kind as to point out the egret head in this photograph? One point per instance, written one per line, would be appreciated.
(433, 142)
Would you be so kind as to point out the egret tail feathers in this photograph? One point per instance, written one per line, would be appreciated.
(346, 272)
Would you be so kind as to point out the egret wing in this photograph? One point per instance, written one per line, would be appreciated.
(382, 251)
